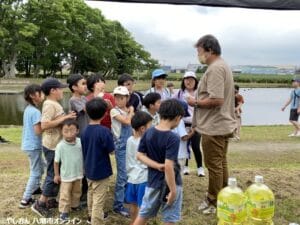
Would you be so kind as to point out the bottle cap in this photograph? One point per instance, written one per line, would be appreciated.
(232, 182)
(259, 179)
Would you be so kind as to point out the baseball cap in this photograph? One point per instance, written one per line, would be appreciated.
(52, 83)
(185, 107)
(158, 73)
(189, 74)
(121, 90)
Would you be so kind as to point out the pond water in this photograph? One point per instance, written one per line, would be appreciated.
(262, 107)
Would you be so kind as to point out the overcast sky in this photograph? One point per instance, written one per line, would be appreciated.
(247, 36)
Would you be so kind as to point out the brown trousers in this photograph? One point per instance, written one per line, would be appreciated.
(70, 193)
(97, 192)
(215, 151)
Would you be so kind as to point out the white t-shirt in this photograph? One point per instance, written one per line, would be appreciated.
(183, 148)
(116, 126)
(137, 172)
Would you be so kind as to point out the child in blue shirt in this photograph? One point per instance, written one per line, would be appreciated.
(158, 149)
(32, 142)
(137, 172)
(97, 144)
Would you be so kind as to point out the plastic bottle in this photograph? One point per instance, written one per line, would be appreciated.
(260, 203)
(231, 205)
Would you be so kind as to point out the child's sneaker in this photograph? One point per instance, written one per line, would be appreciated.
(203, 205)
(64, 217)
(123, 212)
(210, 210)
(186, 170)
(52, 204)
(26, 203)
(76, 209)
(201, 172)
(89, 219)
(41, 210)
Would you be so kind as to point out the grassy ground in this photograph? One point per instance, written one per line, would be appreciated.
(264, 150)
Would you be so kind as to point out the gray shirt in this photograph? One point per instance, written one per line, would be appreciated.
(78, 105)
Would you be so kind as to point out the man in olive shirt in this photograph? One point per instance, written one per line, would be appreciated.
(214, 116)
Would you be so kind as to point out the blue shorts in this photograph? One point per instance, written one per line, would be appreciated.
(134, 193)
(152, 204)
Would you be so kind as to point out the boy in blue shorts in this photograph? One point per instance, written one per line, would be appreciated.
(137, 172)
(158, 149)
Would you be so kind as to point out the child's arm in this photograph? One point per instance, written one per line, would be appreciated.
(126, 120)
(170, 179)
(149, 162)
(57, 178)
(286, 104)
(57, 121)
(37, 128)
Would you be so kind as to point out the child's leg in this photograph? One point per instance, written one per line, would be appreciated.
(295, 126)
(195, 140)
(90, 197)
(140, 221)
(76, 193)
(36, 163)
(134, 211)
(99, 195)
(187, 162)
(65, 197)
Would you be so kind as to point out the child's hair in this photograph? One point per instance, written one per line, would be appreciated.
(236, 87)
(124, 78)
(151, 98)
(31, 89)
(91, 80)
(73, 80)
(170, 109)
(96, 108)
(140, 119)
(70, 122)
(170, 84)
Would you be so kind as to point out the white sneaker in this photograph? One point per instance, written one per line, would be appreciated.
(203, 205)
(210, 210)
(201, 172)
(186, 170)
(292, 135)
(298, 134)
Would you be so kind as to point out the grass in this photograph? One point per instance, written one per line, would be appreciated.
(264, 150)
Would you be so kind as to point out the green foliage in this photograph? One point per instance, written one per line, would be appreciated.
(45, 35)
(270, 79)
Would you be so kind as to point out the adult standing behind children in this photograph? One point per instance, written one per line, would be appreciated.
(159, 77)
(214, 116)
(187, 90)
(96, 85)
(238, 103)
(135, 97)
(295, 107)
(121, 119)
(32, 143)
(52, 117)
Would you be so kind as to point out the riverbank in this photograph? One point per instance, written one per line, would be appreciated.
(264, 150)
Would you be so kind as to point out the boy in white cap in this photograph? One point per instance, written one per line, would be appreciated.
(121, 128)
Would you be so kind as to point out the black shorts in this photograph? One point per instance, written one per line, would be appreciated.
(294, 115)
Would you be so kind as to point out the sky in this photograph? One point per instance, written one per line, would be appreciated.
(247, 36)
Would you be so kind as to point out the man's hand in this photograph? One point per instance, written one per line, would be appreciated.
(283, 108)
(298, 110)
(161, 167)
(191, 100)
(171, 197)
(57, 179)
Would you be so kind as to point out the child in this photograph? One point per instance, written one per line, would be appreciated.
(158, 149)
(77, 85)
(68, 169)
(295, 108)
(135, 98)
(52, 117)
(136, 171)
(239, 101)
(96, 85)
(152, 103)
(32, 143)
(181, 131)
(158, 84)
(121, 118)
(97, 144)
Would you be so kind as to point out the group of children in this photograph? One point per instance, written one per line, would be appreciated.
(145, 133)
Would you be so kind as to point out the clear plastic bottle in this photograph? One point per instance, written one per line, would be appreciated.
(231, 205)
(260, 203)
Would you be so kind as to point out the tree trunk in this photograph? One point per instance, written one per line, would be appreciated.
(10, 69)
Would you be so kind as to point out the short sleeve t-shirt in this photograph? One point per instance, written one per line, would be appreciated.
(181, 132)
(155, 118)
(137, 172)
(217, 82)
(30, 140)
(116, 126)
(158, 146)
(97, 143)
(135, 100)
(295, 96)
(70, 157)
(164, 94)
(50, 111)
(78, 105)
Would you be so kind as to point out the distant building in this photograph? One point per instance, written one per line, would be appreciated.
(167, 69)
(257, 69)
(193, 67)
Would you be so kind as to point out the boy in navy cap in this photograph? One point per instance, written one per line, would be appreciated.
(52, 117)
